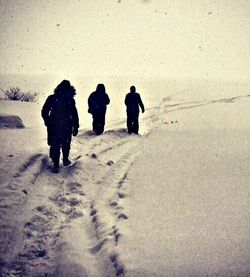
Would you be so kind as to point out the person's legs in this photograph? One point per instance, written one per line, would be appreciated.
(65, 151)
(65, 143)
(95, 123)
(55, 156)
(135, 124)
(100, 122)
(129, 123)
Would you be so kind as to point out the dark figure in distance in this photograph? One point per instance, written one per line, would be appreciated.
(97, 102)
(61, 118)
(133, 102)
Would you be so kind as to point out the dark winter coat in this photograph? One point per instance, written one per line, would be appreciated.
(133, 102)
(61, 118)
(98, 102)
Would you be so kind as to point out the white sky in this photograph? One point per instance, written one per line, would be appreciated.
(192, 38)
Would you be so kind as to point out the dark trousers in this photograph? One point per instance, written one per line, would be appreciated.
(133, 123)
(98, 122)
(55, 151)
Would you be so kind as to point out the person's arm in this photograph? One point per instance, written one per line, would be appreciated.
(46, 109)
(75, 118)
(126, 100)
(107, 99)
(90, 104)
(141, 104)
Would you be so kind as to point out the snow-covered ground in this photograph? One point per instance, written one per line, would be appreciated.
(173, 201)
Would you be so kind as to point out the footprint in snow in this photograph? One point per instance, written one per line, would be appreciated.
(73, 214)
(75, 187)
(110, 163)
(38, 224)
(121, 195)
(44, 210)
(122, 216)
(97, 247)
(113, 204)
(93, 212)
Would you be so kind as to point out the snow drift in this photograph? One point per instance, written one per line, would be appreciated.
(10, 121)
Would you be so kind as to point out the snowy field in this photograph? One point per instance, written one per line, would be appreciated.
(173, 201)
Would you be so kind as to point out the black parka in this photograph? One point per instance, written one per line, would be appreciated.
(60, 116)
(98, 102)
(133, 101)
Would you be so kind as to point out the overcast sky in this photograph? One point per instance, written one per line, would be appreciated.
(192, 38)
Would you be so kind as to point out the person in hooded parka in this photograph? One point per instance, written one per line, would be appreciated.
(133, 102)
(97, 103)
(61, 119)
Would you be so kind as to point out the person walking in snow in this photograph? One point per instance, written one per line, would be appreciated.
(61, 119)
(133, 102)
(97, 102)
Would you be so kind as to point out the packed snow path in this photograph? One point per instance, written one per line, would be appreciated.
(51, 203)
(75, 223)
(40, 210)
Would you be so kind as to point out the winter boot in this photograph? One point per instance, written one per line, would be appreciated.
(55, 169)
(66, 162)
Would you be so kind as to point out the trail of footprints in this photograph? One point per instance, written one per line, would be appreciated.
(110, 235)
(110, 144)
(113, 194)
(42, 230)
(67, 202)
